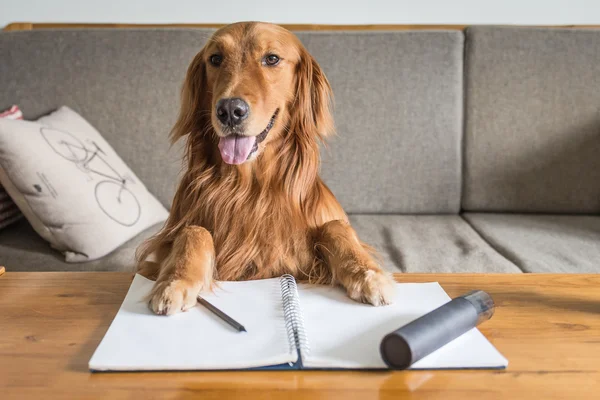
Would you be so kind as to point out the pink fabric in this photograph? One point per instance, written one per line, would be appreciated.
(12, 113)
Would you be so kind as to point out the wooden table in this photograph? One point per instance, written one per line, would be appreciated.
(548, 326)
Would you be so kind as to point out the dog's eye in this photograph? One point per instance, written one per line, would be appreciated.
(271, 60)
(216, 59)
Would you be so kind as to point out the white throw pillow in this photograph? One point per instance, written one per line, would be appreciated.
(73, 188)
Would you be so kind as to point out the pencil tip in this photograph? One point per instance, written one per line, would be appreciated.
(242, 329)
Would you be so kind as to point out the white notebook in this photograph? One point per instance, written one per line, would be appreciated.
(283, 321)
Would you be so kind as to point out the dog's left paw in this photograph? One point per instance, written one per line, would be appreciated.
(372, 287)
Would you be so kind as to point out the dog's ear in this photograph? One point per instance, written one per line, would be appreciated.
(314, 98)
(193, 98)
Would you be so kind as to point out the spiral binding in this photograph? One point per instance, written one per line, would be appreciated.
(294, 321)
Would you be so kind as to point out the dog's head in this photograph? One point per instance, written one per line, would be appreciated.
(251, 85)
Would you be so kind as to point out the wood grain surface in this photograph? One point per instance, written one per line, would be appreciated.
(27, 26)
(548, 326)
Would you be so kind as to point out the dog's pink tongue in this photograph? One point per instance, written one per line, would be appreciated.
(235, 149)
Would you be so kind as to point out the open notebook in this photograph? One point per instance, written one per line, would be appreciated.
(288, 326)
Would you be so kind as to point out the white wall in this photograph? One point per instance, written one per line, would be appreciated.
(532, 12)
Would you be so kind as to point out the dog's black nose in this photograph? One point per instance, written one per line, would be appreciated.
(232, 111)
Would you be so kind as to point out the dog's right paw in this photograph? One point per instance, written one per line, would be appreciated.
(171, 297)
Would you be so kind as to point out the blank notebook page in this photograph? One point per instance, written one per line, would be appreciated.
(197, 339)
(345, 334)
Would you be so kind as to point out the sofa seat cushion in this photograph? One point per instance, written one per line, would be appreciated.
(424, 243)
(429, 243)
(22, 249)
(543, 243)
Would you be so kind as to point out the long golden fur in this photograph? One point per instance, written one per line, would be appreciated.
(271, 214)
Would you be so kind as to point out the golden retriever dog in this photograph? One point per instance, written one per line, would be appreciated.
(251, 204)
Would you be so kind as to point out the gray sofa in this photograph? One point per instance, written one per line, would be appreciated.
(474, 151)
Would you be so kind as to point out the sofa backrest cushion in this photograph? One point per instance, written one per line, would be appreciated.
(398, 115)
(532, 139)
(398, 104)
(125, 82)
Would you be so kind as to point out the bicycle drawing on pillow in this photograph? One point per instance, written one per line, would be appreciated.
(112, 195)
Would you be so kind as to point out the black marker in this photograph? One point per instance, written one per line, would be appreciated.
(236, 325)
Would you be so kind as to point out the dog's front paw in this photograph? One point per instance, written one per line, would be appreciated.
(170, 297)
(372, 287)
